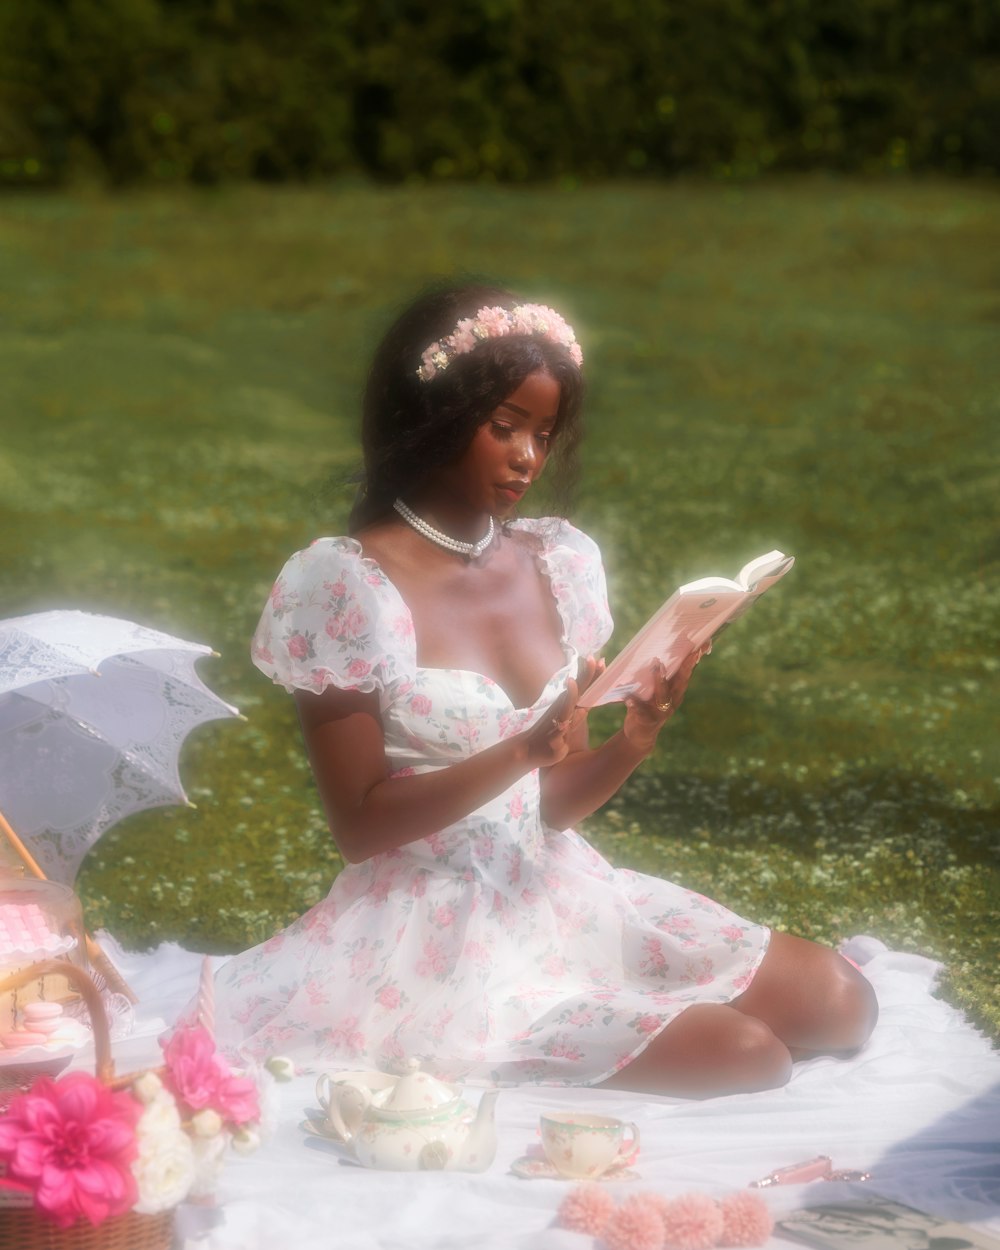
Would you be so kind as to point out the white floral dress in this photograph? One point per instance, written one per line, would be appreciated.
(497, 950)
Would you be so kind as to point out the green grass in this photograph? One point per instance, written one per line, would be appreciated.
(806, 364)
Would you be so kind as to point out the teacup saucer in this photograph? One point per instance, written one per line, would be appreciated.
(538, 1168)
(320, 1128)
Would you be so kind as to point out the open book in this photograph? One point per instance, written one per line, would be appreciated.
(689, 618)
(877, 1223)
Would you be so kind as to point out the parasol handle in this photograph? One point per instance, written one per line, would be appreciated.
(91, 995)
(21, 850)
(96, 956)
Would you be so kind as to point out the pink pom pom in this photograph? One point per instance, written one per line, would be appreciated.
(636, 1225)
(746, 1220)
(692, 1222)
(586, 1209)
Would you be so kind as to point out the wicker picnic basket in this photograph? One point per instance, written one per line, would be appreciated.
(25, 1228)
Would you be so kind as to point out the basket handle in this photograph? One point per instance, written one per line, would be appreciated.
(104, 1065)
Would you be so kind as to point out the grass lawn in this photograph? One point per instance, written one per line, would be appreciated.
(810, 365)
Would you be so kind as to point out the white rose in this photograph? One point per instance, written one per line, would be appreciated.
(160, 1115)
(147, 1087)
(209, 1154)
(164, 1170)
(206, 1123)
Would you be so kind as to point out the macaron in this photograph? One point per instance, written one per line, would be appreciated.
(41, 1011)
(47, 1027)
(17, 1040)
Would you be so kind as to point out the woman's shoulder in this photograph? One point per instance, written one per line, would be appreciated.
(333, 617)
(572, 562)
(549, 533)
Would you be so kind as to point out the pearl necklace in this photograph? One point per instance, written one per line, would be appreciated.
(469, 550)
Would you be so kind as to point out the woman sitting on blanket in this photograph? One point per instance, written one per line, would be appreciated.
(436, 656)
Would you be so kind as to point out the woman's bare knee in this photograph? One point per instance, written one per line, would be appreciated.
(706, 1051)
(811, 997)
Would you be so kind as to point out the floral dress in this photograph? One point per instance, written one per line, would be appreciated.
(497, 950)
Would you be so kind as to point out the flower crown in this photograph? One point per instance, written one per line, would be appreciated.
(498, 323)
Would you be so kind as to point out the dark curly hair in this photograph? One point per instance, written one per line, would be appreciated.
(410, 428)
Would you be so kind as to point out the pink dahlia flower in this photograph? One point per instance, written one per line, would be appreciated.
(199, 1077)
(73, 1142)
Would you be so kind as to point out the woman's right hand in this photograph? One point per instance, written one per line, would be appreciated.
(558, 732)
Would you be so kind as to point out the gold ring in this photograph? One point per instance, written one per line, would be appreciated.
(665, 706)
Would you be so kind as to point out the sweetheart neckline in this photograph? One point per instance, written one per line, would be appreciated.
(569, 651)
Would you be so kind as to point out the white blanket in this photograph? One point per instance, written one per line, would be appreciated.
(919, 1108)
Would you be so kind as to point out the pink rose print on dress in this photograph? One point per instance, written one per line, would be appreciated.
(443, 917)
(389, 996)
(358, 668)
(646, 1024)
(554, 966)
(299, 647)
(347, 1037)
(435, 960)
(420, 705)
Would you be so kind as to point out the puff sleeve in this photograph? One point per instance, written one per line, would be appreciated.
(572, 562)
(334, 618)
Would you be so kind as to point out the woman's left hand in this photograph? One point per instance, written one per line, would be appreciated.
(645, 718)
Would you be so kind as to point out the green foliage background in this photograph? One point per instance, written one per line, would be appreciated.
(807, 364)
(213, 90)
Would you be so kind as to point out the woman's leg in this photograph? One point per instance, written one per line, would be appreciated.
(804, 999)
(709, 1049)
(810, 997)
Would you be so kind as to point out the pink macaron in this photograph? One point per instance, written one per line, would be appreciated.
(18, 1040)
(41, 1011)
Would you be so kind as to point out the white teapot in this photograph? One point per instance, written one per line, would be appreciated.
(420, 1124)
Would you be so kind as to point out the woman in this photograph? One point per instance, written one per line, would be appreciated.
(436, 658)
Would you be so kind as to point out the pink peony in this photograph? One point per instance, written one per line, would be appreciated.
(636, 1225)
(692, 1222)
(73, 1142)
(199, 1078)
(586, 1209)
(746, 1220)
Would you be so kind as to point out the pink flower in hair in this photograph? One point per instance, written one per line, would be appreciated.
(491, 323)
(463, 339)
(692, 1222)
(746, 1220)
(586, 1209)
(636, 1225)
(73, 1142)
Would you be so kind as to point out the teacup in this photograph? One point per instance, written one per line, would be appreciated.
(582, 1146)
(344, 1096)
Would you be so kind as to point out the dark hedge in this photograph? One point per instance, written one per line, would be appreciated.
(181, 90)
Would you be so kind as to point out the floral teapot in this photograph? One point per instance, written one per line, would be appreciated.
(420, 1124)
